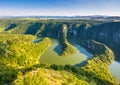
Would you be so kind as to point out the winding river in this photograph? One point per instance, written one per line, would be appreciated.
(52, 55)
(115, 69)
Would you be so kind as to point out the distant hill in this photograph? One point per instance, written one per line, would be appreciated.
(94, 17)
(106, 32)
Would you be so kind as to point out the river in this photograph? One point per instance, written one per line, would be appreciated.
(52, 55)
(115, 69)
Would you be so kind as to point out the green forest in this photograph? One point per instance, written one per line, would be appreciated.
(24, 41)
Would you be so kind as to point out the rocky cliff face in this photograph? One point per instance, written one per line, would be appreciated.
(98, 49)
(107, 33)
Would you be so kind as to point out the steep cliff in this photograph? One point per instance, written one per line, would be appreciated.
(78, 30)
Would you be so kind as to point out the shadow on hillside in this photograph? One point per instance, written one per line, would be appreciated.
(81, 64)
(11, 26)
(9, 74)
(58, 49)
(33, 28)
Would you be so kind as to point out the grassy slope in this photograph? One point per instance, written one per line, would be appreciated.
(19, 50)
(95, 71)
(97, 67)
(48, 77)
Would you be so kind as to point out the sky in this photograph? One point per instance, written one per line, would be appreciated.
(59, 7)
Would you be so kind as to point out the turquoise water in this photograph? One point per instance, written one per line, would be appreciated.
(115, 69)
(52, 55)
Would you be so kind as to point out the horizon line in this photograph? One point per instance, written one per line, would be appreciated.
(56, 15)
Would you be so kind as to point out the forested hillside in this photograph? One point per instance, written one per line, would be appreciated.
(101, 31)
(23, 41)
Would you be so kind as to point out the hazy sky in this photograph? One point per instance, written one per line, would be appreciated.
(59, 7)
